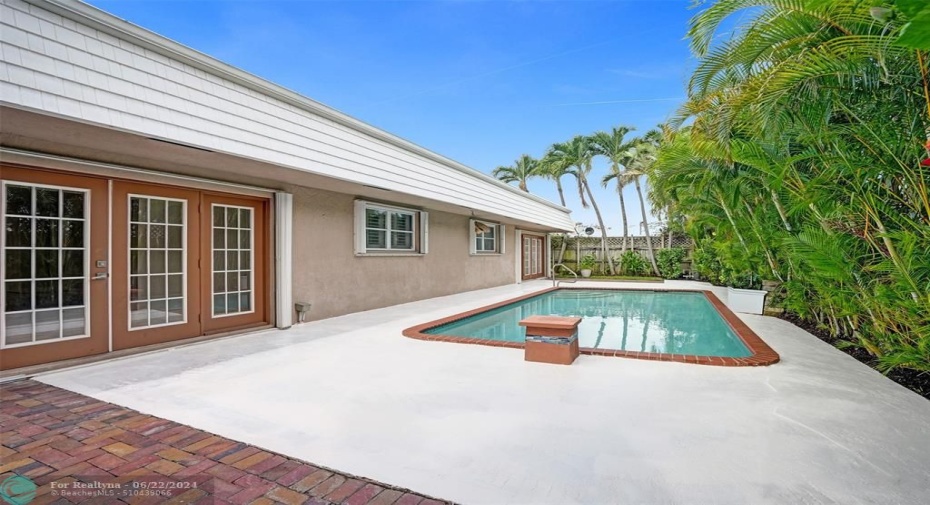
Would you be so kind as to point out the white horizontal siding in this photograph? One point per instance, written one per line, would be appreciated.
(68, 68)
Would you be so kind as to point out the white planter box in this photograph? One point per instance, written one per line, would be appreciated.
(749, 301)
(585, 273)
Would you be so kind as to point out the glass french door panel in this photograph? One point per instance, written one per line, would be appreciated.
(232, 288)
(532, 256)
(45, 270)
(540, 257)
(534, 264)
(157, 264)
(526, 256)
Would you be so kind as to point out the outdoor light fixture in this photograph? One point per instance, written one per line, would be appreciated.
(302, 308)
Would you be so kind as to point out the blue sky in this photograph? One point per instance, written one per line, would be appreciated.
(481, 82)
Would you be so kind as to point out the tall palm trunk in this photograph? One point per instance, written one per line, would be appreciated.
(781, 210)
(762, 242)
(558, 186)
(600, 222)
(668, 226)
(642, 207)
(626, 232)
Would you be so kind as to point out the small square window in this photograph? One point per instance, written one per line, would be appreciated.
(486, 238)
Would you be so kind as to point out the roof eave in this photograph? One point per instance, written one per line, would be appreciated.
(122, 29)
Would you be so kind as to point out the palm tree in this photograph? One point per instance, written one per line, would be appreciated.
(523, 169)
(553, 166)
(636, 161)
(578, 153)
(612, 146)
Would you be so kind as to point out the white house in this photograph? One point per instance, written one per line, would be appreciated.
(151, 193)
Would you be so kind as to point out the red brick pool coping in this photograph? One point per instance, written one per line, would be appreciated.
(60, 439)
(761, 353)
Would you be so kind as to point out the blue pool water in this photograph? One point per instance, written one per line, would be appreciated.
(645, 321)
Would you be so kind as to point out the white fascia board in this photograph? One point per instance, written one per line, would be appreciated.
(97, 19)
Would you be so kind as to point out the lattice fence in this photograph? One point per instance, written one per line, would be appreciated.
(579, 247)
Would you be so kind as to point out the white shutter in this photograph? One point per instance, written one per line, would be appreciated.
(424, 232)
(471, 237)
(360, 241)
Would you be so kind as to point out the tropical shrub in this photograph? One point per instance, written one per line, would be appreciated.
(724, 264)
(743, 280)
(633, 264)
(705, 264)
(802, 161)
(669, 262)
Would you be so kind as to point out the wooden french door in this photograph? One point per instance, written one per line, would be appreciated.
(156, 264)
(187, 263)
(53, 283)
(233, 270)
(89, 264)
(534, 256)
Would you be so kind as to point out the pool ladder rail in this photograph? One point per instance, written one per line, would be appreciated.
(555, 282)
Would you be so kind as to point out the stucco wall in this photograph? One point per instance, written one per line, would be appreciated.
(329, 275)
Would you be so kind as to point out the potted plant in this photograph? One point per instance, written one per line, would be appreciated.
(587, 263)
(744, 295)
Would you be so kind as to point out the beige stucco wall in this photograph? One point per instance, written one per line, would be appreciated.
(329, 275)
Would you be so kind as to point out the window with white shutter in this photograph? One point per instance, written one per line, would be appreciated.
(386, 229)
(486, 237)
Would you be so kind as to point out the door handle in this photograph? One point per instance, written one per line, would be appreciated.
(100, 276)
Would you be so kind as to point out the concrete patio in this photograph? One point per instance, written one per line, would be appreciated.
(477, 424)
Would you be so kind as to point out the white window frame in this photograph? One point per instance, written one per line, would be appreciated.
(420, 230)
(499, 238)
(87, 237)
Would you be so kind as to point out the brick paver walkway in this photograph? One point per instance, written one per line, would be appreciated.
(54, 436)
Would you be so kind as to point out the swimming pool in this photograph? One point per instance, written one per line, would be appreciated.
(687, 326)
